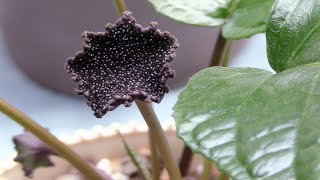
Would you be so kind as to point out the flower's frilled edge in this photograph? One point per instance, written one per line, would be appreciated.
(128, 99)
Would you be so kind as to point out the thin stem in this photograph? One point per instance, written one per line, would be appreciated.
(159, 136)
(227, 54)
(218, 51)
(121, 5)
(185, 161)
(142, 169)
(155, 158)
(50, 139)
(207, 166)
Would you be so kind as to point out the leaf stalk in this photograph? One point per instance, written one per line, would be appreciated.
(158, 135)
(155, 158)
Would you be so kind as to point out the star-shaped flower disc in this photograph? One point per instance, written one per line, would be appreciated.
(123, 64)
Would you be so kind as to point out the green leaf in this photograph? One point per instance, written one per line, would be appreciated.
(249, 18)
(141, 167)
(252, 123)
(293, 34)
(238, 18)
(199, 12)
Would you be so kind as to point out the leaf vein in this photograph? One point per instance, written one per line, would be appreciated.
(238, 119)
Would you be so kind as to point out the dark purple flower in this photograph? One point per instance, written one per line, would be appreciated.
(32, 152)
(123, 64)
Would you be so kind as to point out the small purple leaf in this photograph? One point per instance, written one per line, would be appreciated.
(32, 152)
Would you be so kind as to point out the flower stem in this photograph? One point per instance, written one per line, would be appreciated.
(155, 129)
(185, 161)
(51, 140)
(206, 173)
(227, 54)
(160, 138)
(218, 51)
(155, 159)
(121, 5)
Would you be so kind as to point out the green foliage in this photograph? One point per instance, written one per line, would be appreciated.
(293, 34)
(141, 167)
(248, 18)
(252, 123)
(238, 18)
(200, 12)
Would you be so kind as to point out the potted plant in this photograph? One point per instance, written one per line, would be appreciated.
(251, 123)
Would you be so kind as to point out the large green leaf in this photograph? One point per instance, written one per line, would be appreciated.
(293, 33)
(238, 18)
(252, 123)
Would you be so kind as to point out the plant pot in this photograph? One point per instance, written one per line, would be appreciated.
(41, 35)
(97, 144)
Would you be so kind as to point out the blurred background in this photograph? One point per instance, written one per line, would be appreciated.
(36, 38)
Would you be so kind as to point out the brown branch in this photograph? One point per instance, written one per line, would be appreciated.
(218, 51)
(185, 161)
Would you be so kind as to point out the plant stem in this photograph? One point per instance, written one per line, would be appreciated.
(218, 51)
(121, 5)
(185, 161)
(51, 140)
(227, 54)
(142, 169)
(157, 134)
(159, 137)
(206, 173)
(155, 159)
